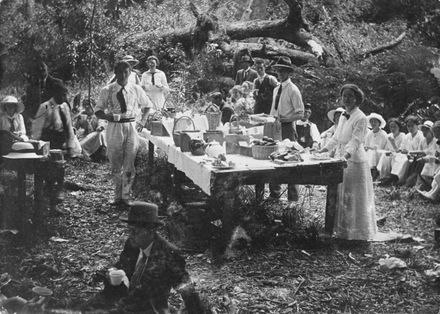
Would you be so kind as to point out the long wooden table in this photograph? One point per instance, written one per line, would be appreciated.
(222, 185)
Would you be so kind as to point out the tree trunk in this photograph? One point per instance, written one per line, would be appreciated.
(268, 51)
(293, 29)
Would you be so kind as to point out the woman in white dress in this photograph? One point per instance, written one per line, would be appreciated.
(333, 115)
(410, 144)
(434, 193)
(375, 141)
(395, 138)
(355, 211)
(155, 84)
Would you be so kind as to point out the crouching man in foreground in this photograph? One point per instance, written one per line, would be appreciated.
(152, 267)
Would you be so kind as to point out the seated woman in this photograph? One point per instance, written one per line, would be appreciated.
(434, 192)
(53, 123)
(10, 117)
(424, 168)
(394, 141)
(375, 141)
(90, 132)
(410, 143)
(333, 115)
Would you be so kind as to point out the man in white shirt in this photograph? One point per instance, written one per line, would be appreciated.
(119, 103)
(155, 84)
(288, 107)
(308, 133)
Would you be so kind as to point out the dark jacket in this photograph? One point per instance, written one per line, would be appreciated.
(250, 77)
(165, 269)
(263, 100)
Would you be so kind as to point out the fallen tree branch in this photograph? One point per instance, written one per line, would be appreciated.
(267, 51)
(389, 46)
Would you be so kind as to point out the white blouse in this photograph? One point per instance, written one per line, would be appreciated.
(350, 136)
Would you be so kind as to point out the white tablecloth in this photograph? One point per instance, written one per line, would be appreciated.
(200, 172)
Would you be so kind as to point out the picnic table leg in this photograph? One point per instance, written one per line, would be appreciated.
(21, 197)
(226, 196)
(259, 192)
(38, 192)
(330, 208)
(150, 154)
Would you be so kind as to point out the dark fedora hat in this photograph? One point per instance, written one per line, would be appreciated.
(246, 58)
(283, 63)
(142, 214)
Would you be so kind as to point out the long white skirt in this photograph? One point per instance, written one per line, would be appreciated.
(384, 166)
(92, 142)
(399, 166)
(355, 210)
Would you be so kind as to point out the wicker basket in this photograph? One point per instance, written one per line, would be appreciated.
(214, 117)
(234, 129)
(156, 116)
(263, 151)
(177, 130)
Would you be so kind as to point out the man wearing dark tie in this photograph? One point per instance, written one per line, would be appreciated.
(154, 82)
(288, 107)
(119, 103)
(152, 267)
(246, 73)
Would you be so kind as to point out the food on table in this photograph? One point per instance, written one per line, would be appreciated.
(265, 141)
(289, 155)
(321, 156)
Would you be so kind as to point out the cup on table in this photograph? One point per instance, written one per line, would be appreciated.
(116, 117)
(116, 276)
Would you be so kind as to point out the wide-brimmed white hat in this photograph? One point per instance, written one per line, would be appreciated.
(428, 124)
(130, 59)
(331, 113)
(378, 117)
(11, 100)
(22, 150)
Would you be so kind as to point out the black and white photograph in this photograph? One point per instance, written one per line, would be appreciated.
(219, 156)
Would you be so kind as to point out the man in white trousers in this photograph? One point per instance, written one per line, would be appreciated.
(119, 103)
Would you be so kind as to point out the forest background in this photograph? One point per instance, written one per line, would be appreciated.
(80, 40)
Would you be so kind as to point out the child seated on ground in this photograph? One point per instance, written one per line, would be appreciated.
(394, 141)
(11, 119)
(375, 141)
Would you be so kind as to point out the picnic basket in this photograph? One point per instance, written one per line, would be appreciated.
(180, 125)
(263, 151)
(214, 116)
(234, 129)
(156, 116)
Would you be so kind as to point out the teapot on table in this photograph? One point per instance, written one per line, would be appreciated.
(214, 149)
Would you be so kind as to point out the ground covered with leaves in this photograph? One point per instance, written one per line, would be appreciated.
(286, 274)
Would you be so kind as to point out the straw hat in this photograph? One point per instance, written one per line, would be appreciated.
(22, 150)
(11, 100)
(377, 117)
(331, 113)
(428, 125)
(131, 60)
(155, 59)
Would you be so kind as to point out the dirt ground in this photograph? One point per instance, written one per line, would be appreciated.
(322, 276)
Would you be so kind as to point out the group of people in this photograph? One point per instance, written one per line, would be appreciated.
(122, 110)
